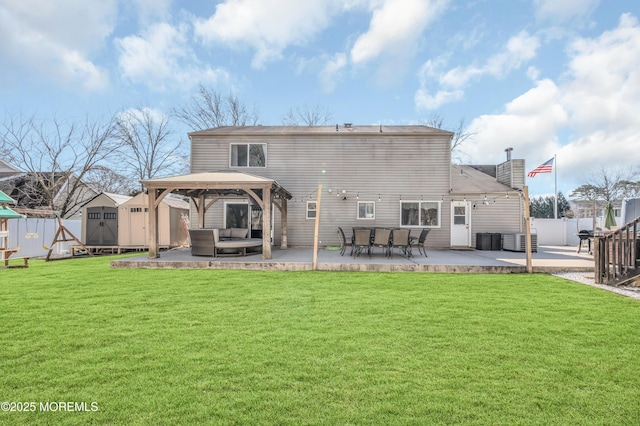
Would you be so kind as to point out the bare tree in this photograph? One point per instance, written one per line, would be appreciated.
(208, 109)
(605, 187)
(104, 179)
(55, 157)
(147, 147)
(307, 116)
(460, 132)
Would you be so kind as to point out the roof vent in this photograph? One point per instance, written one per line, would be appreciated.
(508, 151)
(348, 125)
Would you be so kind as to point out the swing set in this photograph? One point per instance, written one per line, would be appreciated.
(63, 234)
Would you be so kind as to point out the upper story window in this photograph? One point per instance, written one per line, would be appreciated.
(248, 155)
(420, 214)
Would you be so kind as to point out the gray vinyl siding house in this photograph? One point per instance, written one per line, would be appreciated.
(389, 176)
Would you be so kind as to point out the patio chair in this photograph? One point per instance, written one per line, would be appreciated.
(421, 239)
(361, 240)
(382, 238)
(344, 242)
(400, 239)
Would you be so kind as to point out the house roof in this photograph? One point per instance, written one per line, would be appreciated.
(469, 180)
(7, 169)
(340, 130)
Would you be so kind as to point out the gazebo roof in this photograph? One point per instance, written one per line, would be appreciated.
(223, 182)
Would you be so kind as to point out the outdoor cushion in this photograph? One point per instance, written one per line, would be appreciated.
(225, 233)
(239, 232)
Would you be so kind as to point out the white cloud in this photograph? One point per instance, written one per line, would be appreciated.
(56, 38)
(529, 124)
(267, 26)
(332, 71)
(594, 109)
(150, 10)
(561, 11)
(424, 100)
(518, 50)
(603, 90)
(395, 25)
(161, 57)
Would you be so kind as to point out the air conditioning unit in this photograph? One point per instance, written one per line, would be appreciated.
(518, 242)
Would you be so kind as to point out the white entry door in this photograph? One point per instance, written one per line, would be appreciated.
(460, 224)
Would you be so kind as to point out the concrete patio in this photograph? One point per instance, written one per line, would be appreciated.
(548, 259)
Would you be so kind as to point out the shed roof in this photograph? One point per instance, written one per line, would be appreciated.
(116, 198)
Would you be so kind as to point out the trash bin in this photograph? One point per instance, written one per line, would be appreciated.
(496, 241)
(483, 241)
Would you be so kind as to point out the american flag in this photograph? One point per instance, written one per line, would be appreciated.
(542, 168)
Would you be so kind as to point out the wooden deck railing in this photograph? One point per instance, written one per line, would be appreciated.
(616, 254)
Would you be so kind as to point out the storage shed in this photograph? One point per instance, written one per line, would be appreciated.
(100, 219)
(133, 216)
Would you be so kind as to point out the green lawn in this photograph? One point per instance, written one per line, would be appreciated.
(235, 347)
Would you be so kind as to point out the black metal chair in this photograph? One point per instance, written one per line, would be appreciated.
(361, 241)
(382, 238)
(421, 240)
(344, 242)
(400, 239)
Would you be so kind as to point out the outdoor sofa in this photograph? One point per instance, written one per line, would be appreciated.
(214, 241)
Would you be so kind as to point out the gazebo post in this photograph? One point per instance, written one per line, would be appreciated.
(266, 222)
(153, 224)
(283, 224)
(201, 211)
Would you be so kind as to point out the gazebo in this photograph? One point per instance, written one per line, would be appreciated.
(204, 189)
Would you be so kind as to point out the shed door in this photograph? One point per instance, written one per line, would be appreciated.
(138, 219)
(460, 224)
(102, 226)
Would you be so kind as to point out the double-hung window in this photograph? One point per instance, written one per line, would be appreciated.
(424, 214)
(248, 155)
(311, 209)
(366, 210)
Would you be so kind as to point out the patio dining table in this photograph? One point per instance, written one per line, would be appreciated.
(372, 230)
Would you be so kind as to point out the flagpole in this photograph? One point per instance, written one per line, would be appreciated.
(555, 194)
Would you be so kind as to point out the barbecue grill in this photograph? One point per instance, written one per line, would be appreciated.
(587, 235)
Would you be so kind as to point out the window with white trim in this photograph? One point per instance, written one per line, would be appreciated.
(248, 155)
(366, 210)
(311, 209)
(420, 214)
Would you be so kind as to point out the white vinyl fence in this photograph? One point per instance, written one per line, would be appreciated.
(562, 232)
(34, 236)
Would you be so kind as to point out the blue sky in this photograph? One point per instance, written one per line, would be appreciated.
(546, 77)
